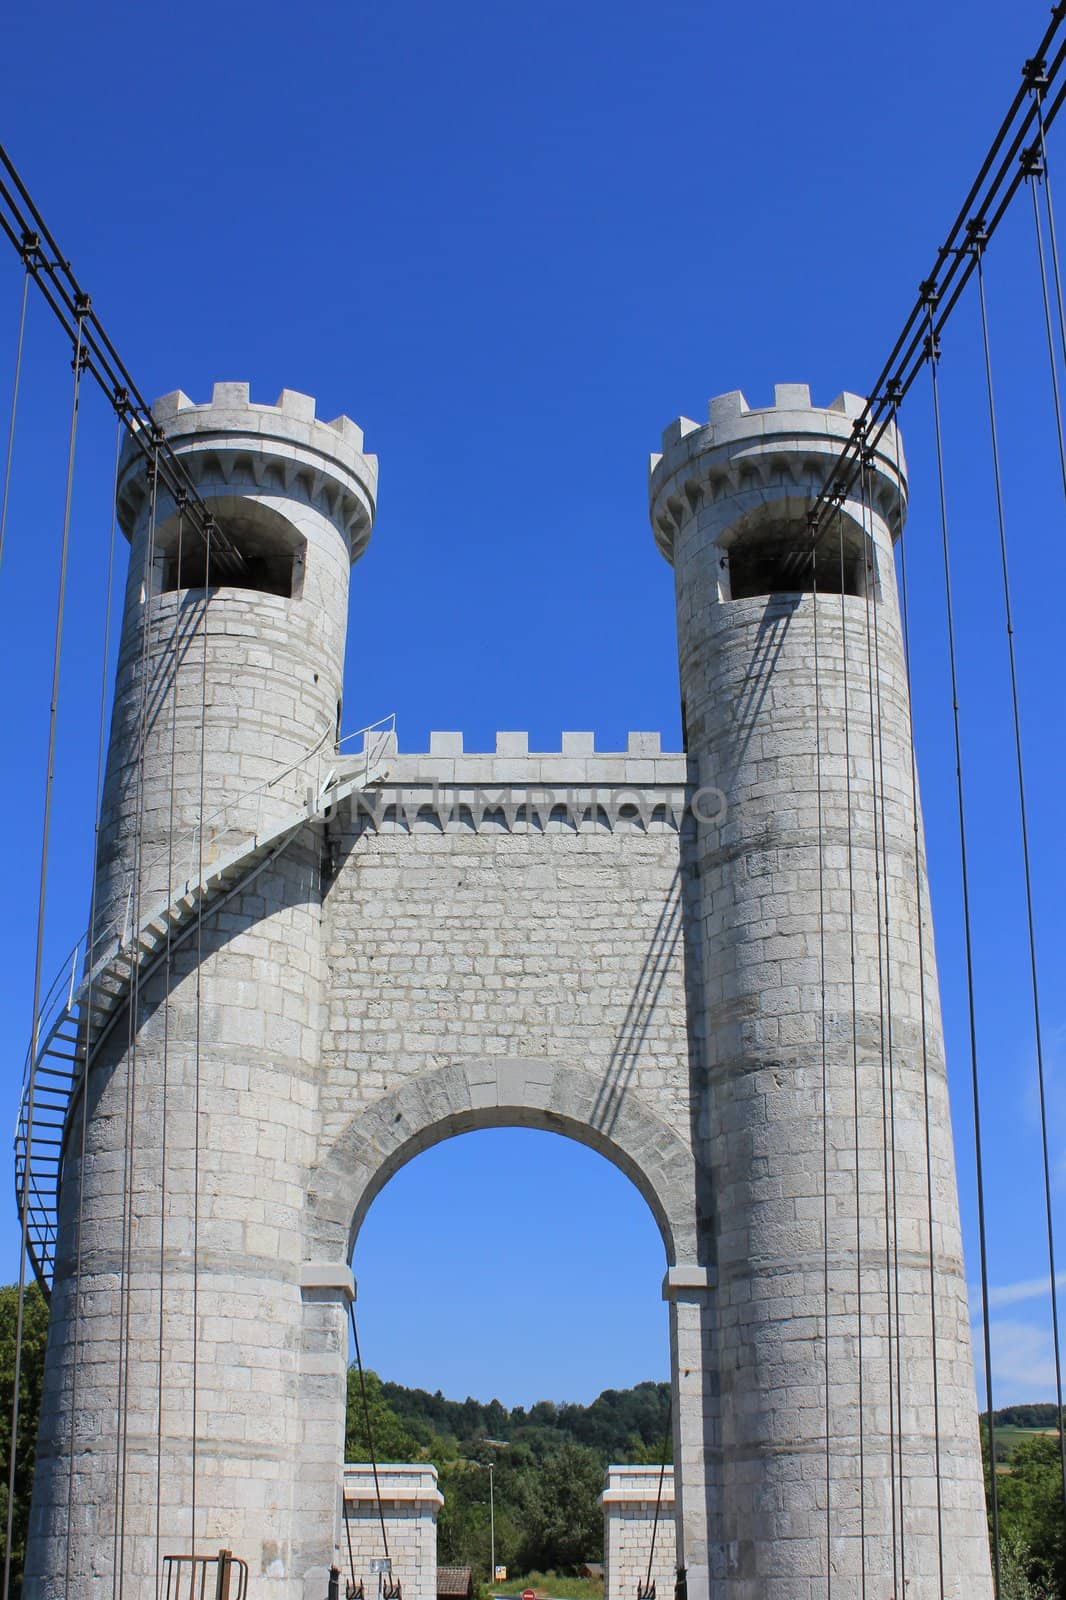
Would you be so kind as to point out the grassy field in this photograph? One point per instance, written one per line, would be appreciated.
(549, 1585)
(1008, 1437)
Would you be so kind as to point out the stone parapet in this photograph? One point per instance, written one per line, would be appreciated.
(638, 1486)
(751, 456)
(397, 1482)
(517, 788)
(511, 761)
(638, 1531)
(231, 439)
(408, 1506)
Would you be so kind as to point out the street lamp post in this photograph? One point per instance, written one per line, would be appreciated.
(490, 1467)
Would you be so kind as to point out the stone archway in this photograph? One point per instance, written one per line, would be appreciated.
(467, 1096)
(506, 1092)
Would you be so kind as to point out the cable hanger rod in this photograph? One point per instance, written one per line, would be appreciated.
(35, 244)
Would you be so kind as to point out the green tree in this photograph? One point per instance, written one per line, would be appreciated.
(649, 1455)
(1015, 1562)
(391, 1437)
(1031, 1514)
(464, 1530)
(34, 1338)
(561, 1515)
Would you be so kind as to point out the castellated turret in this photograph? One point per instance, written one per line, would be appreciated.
(294, 497)
(795, 705)
(184, 1210)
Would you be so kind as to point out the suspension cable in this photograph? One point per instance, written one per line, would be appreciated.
(1042, 178)
(133, 1040)
(968, 932)
(1039, 90)
(165, 1075)
(659, 1494)
(1023, 813)
(101, 747)
(856, 1129)
(924, 1024)
(989, 197)
(881, 895)
(824, 1067)
(194, 1453)
(1035, 174)
(369, 1431)
(25, 227)
(42, 894)
(873, 579)
(4, 500)
(348, 1536)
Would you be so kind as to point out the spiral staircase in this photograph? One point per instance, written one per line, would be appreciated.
(92, 988)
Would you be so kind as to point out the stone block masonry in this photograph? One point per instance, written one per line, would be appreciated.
(408, 1509)
(629, 948)
(819, 1033)
(638, 1532)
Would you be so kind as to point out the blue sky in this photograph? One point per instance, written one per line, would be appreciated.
(514, 242)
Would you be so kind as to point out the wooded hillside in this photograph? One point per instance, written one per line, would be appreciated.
(548, 1465)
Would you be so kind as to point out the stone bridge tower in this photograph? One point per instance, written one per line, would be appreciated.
(359, 956)
(816, 1112)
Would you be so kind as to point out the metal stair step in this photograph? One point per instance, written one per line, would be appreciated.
(61, 1064)
(104, 979)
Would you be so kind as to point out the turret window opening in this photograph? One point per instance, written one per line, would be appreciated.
(272, 556)
(773, 558)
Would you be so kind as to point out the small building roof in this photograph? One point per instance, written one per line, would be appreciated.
(454, 1580)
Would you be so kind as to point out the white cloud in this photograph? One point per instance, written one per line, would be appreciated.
(1023, 1362)
(1009, 1294)
(1023, 1354)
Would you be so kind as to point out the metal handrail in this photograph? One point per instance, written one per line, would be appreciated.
(383, 727)
(185, 1577)
(373, 748)
(97, 961)
(96, 948)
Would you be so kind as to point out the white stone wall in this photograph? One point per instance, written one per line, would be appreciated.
(505, 936)
(636, 1511)
(482, 935)
(410, 1501)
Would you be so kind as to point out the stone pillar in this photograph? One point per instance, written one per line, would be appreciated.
(327, 1290)
(729, 504)
(410, 1501)
(689, 1290)
(193, 1357)
(629, 1500)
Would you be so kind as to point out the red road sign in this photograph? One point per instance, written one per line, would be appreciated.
(529, 1594)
